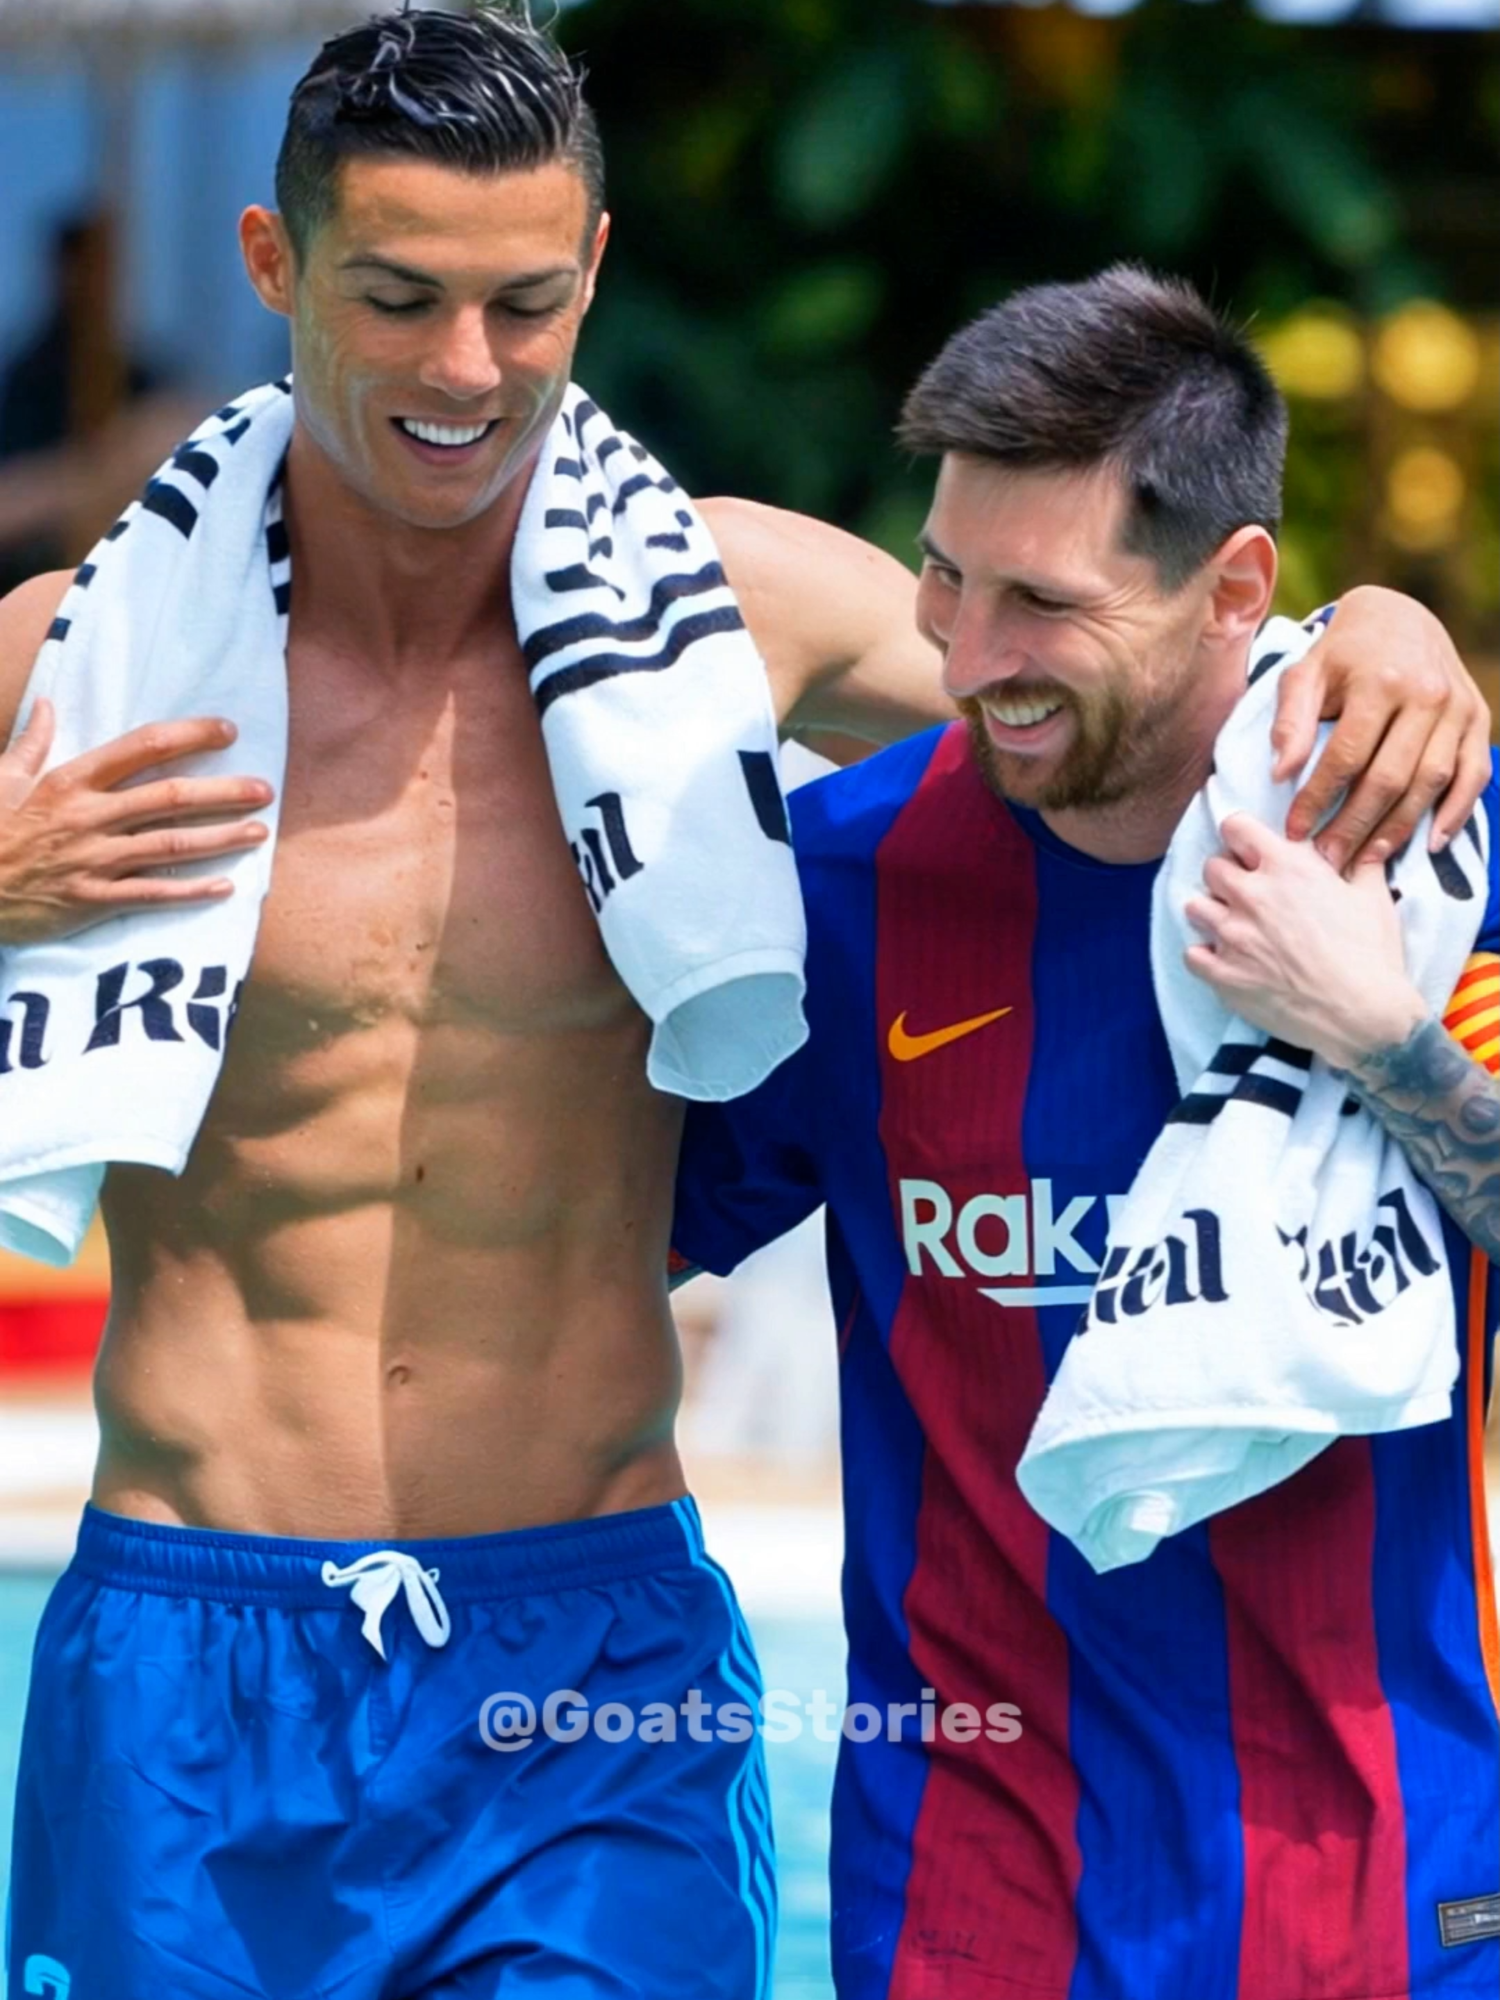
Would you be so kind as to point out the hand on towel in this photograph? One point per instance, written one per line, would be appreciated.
(74, 843)
(1413, 728)
(1300, 952)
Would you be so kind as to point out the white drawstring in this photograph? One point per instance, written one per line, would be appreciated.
(376, 1579)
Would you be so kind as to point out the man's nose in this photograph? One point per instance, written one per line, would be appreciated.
(977, 651)
(462, 363)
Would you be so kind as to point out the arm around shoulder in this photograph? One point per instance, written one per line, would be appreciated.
(834, 621)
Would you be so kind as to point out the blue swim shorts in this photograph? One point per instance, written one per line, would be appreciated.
(512, 1764)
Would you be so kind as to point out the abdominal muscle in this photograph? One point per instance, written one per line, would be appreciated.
(400, 1313)
(412, 1281)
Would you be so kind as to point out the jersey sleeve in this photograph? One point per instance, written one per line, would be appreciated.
(747, 1172)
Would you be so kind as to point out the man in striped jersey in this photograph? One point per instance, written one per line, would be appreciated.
(1265, 1762)
(400, 1328)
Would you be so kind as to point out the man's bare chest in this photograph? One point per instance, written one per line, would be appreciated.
(421, 877)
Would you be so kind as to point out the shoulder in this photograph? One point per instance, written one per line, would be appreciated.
(26, 617)
(816, 599)
(27, 613)
(770, 548)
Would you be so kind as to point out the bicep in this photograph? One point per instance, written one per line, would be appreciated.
(834, 621)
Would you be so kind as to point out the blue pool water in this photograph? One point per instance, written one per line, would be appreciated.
(800, 1655)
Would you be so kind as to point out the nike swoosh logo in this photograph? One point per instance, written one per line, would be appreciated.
(906, 1048)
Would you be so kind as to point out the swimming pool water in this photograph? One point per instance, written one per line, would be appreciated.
(21, 1601)
(798, 1654)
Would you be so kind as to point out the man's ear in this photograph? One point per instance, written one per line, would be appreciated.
(595, 257)
(1242, 582)
(269, 258)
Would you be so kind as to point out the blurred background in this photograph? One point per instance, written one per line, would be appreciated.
(809, 195)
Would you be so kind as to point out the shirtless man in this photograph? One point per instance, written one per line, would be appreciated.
(410, 1288)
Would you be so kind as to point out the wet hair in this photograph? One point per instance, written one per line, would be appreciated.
(483, 92)
(1125, 370)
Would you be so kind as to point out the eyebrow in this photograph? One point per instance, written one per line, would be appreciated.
(1062, 593)
(388, 267)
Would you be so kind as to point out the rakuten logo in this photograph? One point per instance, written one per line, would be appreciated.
(1002, 1236)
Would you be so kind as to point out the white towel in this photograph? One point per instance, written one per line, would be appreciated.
(1276, 1276)
(661, 742)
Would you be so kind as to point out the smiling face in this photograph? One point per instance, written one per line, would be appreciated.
(1081, 680)
(434, 319)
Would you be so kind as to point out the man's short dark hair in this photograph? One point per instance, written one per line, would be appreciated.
(1127, 370)
(484, 92)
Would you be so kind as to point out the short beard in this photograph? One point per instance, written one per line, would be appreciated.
(1099, 770)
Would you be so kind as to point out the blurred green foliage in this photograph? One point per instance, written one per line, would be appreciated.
(810, 195)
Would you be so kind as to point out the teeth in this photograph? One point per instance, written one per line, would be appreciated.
(1018, 714)
(452, 435)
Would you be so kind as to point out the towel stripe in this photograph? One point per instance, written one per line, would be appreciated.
(1452, 880)
(578, 576)
(1263, 666)
(588, 673)
(764, 787)
(667, 591)
(197, 464)
(1197, 1109)
(171, 505)
(1269, 1092)
(1286, 1052)
(639, 484)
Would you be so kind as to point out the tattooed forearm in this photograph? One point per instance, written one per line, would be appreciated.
(1443, 1110)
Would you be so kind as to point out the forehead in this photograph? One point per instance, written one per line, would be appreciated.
(418, 212)
(1030, 522)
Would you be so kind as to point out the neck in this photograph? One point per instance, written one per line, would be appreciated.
(400, 597)
(1139, 826)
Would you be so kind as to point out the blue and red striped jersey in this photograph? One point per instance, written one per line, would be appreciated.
(1263, 1764)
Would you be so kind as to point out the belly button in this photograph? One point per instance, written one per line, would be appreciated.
(421, 1174)
(398, 1375)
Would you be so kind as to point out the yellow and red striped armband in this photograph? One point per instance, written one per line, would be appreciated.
(1473, 1014)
